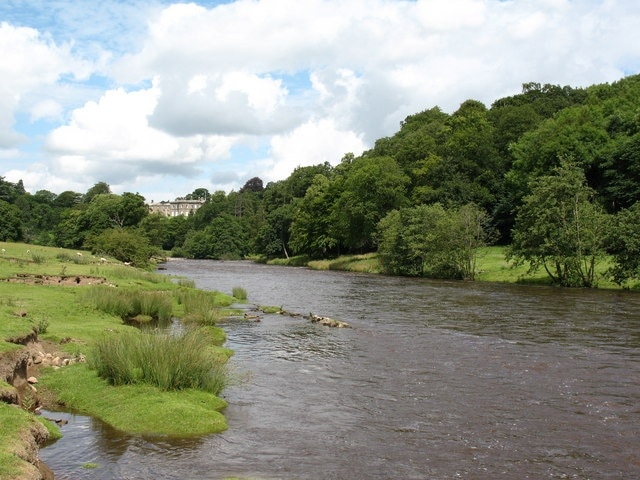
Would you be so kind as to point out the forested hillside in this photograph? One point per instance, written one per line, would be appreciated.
(553, 172)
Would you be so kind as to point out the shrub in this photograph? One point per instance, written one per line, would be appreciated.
(124, 245)
(166, 361)
(65, 257)
(41, 326)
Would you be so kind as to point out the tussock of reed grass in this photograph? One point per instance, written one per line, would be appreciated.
(239, 293)
(128, 304)
(166, 361)
(202, 307)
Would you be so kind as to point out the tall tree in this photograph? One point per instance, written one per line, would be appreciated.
(99, 188)
(431, 241)
(560, 229)
(312, 231)
(371, 187)
(10, 222)
(624, 245)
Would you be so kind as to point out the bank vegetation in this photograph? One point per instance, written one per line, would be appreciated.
(94, 336)
(551, 173)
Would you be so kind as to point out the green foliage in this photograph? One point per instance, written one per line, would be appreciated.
(272, 238)
(166, 361)
(203, 308)
(623, 244)
(124, 245)
(100, 188)
(239, 293)
(40, 326)
(621, 173)
(137, 409)
(127, 304)
(372, 187)
(311, 229)
(560, 229)
(486, 156)
(15, 425)
(10, 222)
(223, 238)
(431, 241)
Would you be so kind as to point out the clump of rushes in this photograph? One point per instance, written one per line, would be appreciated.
(38, 258)
(202, 307)
(239, 293)
(128, 304)
(186, 282)
(166, 361)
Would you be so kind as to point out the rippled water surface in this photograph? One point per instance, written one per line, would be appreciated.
(436, 380)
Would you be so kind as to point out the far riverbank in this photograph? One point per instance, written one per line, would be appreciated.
(492, 267)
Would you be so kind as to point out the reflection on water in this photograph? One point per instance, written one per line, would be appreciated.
(436, 380)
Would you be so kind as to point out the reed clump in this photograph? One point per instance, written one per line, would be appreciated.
(168, 362)
(128, 304)
(202, 307)
(239, 293)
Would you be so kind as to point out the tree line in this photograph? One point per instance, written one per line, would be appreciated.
(553, 172)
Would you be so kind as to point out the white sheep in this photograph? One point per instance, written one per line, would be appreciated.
(79, 254)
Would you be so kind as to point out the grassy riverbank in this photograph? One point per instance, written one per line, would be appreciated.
(492, 267)
(67, 298)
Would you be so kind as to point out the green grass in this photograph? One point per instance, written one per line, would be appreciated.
(137, 409)
(492, 267)
(297, 261)
(202, 307)
(366, 263)
(14, 424)
(64, 315)
(129, 303)
(239, 293)
(166, 361)
(269, 309)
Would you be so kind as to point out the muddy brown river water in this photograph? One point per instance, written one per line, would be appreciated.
(436, 380)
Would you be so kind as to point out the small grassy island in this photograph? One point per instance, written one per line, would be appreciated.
(84, 334)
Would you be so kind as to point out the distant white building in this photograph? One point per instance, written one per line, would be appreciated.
(179, 207)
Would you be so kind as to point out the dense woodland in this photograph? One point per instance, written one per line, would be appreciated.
(553, 172)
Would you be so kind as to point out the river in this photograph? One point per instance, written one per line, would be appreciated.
(436, 380)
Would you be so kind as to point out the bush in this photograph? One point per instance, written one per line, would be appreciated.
(124, 245)
(165, 361)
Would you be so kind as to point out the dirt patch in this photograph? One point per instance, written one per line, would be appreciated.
(20, 369)
(56, 279)
(19, 366)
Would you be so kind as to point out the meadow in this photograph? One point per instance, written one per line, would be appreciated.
(131, 373)
(491, 262)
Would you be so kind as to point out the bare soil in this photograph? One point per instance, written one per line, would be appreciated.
(56, 279)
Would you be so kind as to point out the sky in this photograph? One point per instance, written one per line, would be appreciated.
(160, 98)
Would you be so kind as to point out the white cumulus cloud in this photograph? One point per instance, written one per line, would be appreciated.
(111, 139)
(173, 89)
(312, 143)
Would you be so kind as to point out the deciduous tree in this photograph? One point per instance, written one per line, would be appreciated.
(560, 229)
